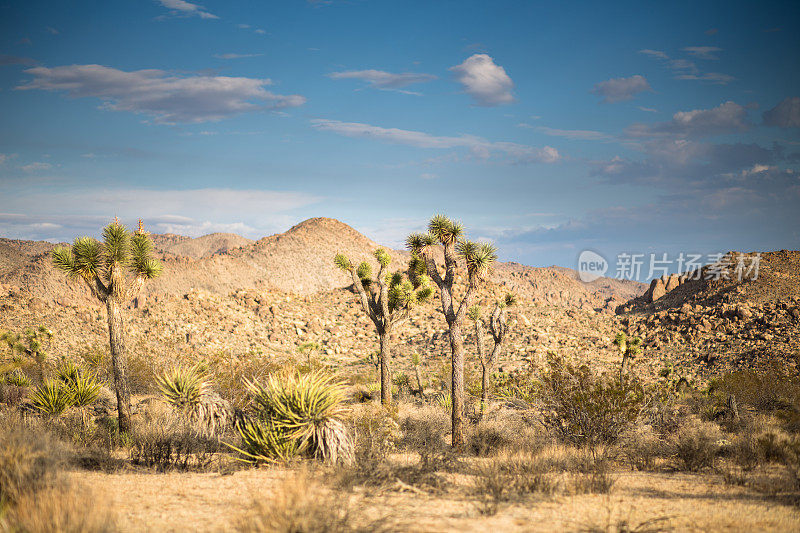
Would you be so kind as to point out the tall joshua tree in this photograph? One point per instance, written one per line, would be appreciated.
(478, 259)
(387, 300)
(115, 271)
(498, 327)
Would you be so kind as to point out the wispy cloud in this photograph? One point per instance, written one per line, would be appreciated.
(703, 52)
(36, 166)
(166, 97)
(236, 56)
(580, 135)
(381, 79)
(187, 9)
(484, 80)
(728, 117)
(685, 69)
(621, 89)
(15, 60)
(479, 147)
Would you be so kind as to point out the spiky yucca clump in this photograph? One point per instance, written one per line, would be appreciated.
(188, 389)
(17, 378)
(52, 398)
(183, 387)
(264, 441)
(306, 409)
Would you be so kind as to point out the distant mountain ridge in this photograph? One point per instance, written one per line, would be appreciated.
(298, 261)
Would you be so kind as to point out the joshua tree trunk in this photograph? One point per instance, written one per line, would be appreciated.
(482, 359)
(386, 375)
(624, 364)
(457, 388)
(116, 336)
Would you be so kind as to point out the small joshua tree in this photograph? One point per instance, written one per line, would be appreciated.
(478, 259)
(115, 271)
(498, 327)
(387, 300)
(30, 344)
(629, 348)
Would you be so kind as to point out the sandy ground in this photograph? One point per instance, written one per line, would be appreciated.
(683, 502)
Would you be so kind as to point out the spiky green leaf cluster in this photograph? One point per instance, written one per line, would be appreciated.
(474, 313)
(17, 378)
(183, 387)
(307, 409)
(418, 242)
(341, 261)
(509, 300)
(364, 273)
(264, 442)
(90, 259)
(383, 257)
(478, 256)
(52, 398)
(444, 230)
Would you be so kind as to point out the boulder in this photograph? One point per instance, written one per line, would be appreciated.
(672, 282)
(657, 290)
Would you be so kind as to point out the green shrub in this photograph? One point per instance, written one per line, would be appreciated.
(696, 445)
(583, 408)
(170, 443)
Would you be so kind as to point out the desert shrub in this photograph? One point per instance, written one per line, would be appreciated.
(696, 445)
(65, 509)
(52, 398)
(504, 478)
(166, 442)
(583, 408)
(376, 433)
(17, 378)
(30, 458)
(298, 505)
(641, 447)
(297, 412)
(515, 385)
(502, 431)
(423, 432)
(595, 479)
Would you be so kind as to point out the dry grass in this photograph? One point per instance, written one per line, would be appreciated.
(62, 509)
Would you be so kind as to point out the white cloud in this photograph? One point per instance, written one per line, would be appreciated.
(484, 80)
(187, 9)
(168, 98)
(647, 109)
(3, 158)
(36, 166)
(383, 80)
(478, 146)
(784, 115)
(428, 176)
(236, 56)
(728, 117)
(51, 30)
(703, 52)
(654, 53)
(620, 89)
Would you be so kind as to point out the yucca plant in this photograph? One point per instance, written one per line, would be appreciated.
(478, 259)
(188, 389)
(264, 442)
(52, 398)
(307, 409)
(115, 270)
(445, 401)
(387, 300)
(17, 378)
(183, 387)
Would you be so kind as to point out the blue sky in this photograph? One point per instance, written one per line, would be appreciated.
(546, 127)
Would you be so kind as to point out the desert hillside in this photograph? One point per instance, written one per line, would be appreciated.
(298, 261)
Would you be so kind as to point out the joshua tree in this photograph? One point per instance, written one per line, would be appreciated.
(115, 271)
(478, 258)
(498, 327)
(629, 348)
(387, 300)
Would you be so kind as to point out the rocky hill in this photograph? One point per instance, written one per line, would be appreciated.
(741, 311)
(298, 262)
